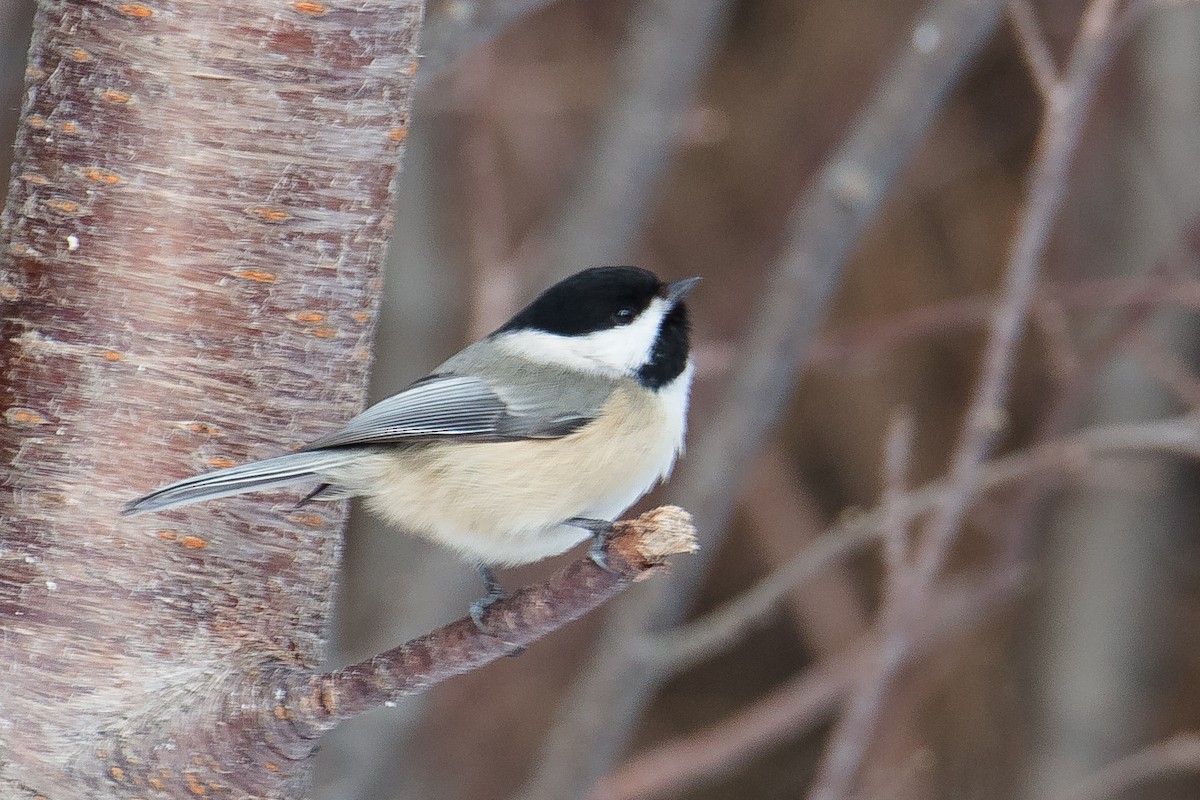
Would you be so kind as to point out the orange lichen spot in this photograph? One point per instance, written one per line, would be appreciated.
(362, 355)
(269, 214)
(198, 761)
(308, 317)
(260, 275)
(308, 519)
(34, 178)
(203, 428)
(9, 292)
(411, 69)
(362, 316)
(168, 534)
(24, 417)
(193, 543)
(309, 7)
(221, 462)
(281, 712)
(101, 754)
(271, 766)
(36, 121)
(136, 10)
(117, 773)
(34, 72)
(79, 54)
(65, 206)
(114, 96)
(112, 355)
(101, 176)
(158, 783)
(69, 127)
(324, 332)
(194, 785)
(398, 134)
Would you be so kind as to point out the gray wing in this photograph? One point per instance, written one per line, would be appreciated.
(455, 406)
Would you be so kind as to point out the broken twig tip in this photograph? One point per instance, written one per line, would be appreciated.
(664, 531)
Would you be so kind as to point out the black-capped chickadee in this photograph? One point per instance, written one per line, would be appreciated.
(510, 450)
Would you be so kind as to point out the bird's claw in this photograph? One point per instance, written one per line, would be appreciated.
(601, 530)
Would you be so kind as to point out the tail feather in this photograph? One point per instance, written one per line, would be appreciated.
(255, 476)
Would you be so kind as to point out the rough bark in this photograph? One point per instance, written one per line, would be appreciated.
(200, 205)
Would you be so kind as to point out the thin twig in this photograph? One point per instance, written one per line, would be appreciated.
(1058, 142)
(670, 46)
(855, 729)
(1179, 754)
(596, 719)
(872, 339)
(1065, 115)
(1034, 47)
(797, 706)
(897, 463)
(723, 627)
(468, 24)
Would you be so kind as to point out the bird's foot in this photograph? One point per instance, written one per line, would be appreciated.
(601, 530)
(494, 593)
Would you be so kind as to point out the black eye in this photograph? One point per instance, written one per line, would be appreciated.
(623, 316)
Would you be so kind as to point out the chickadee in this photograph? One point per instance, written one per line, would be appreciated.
(521, 445)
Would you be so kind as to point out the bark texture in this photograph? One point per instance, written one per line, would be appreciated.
(200, 206)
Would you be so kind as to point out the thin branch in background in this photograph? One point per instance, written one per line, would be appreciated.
(670, 45)
(1051, 321)
(1065, 115)
(1166, 367)
(829, 611)
(494, 286)
(872, 339)
(594, 722)
(797, 706)
(467, 24)
(1057, 144)
(1034, 47)
(897, 463)
(855, 730)
(1179, 754)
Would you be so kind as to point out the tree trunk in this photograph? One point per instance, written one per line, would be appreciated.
(200, 205)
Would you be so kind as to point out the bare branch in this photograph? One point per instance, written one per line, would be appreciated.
(1179, 754)
(896, 465)
(466, 25)
(670, 45)
(637, 548)
(798, 706)
(1034, 47)
(1059, 137)
(722, 628)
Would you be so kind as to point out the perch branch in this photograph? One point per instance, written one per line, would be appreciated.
(636, 549)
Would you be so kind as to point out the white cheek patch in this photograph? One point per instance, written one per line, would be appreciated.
(615, 351)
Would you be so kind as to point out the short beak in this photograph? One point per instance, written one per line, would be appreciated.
(679, 289)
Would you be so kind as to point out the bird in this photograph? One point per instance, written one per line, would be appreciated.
(520, 446)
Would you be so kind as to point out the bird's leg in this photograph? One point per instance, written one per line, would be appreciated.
(494, 593)
(601, 530)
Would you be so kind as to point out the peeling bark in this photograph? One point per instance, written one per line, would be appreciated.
(200, 205)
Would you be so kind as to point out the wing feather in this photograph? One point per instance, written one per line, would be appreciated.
(450, 406)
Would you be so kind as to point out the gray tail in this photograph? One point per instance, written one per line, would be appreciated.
(255, 476)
